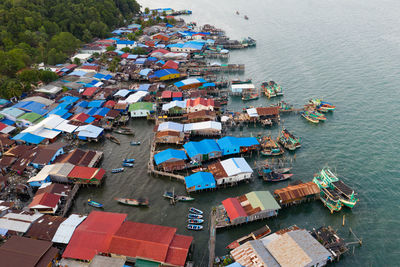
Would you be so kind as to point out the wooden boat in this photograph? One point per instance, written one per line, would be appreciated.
(237, 12)
(258, 234)
(266, 168)
(129, 160)
(246, 17)
(241, 81)
(133, 143)
(117, 170)
(283, 106)
(248, 97)
(288, 140)
(195, 211)
(124, 131)
(194, 216)
(169, 195)
(112, 139)
(194, 227)
(328, 196)
(275, 177)
(271, 89)
(346, 194)
(305, 115)
(184, 198)
(317, 115)
(195, 221)
(270, 147)
(133, 202)
(322, 105)
(126, 164)
(94, 203)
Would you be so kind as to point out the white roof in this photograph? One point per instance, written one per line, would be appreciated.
(46, 133)
(39, 99)
(42, 174)
(252, 112)
(225, 118)
(243, 86)
(7, 129)
(122, 93)
(234, 166)
(18, 222)
(170, 126)
(176, 103)
(66, 127)
(172, 55)
(203, 126)
(61, 169)
(67, 228)
(23, 217)
(89, 130)
(49, 89)
(52, 121)
(81, 56)
(136, 97)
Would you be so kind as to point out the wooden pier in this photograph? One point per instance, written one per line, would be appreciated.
(70, 200)
(213, 238)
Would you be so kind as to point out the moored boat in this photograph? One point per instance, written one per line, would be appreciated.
(129, 160)
(125, 131)
(117, 170)
(133, 143)
(195, 211)
(272, 89)
(248, 97)
(346, 194)
(126, 164)
(305, 115)
(184, 198)
(288, 140)
(94, 203)
(195, 227)
(194, 216)
(270, 147)
(276, 177)
(195, 221)
(133, 202)
(258, 234)
(112, 139)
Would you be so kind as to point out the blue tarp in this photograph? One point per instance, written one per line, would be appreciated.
(169, 154)
(209, 85)
(69, 99)
(202, 147)
(200, 180)
(29, 138)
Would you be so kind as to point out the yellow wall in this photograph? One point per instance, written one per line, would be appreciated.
(170, 76)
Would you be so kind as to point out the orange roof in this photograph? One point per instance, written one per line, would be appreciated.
(90, 91)
(45, 199)
(200, 101)
(87, 173)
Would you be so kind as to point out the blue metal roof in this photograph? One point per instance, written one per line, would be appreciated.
(165, 72)
(90, 119)
(102, 112)
(169, 154)
(144, 87)
(8, 122)
(29, 138)
(32, 106)
(69, 99)
(200, 180)
(126, 42)
(202, 147)
(91, 111)
(82, 103)
(232, 144)
(95, 103)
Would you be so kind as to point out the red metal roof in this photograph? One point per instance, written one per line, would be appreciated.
(233, 208)
(177, 94)
(87, 173)
(125, 55)
(2, 126)
(93, 235)
(170, 64)
(160, 50)
(178, 250)
(87, 67)
(109, 104)
(45, 199)
(200, 101)
(166, 94)
(82, 117)
(147, 241)
(90, 91)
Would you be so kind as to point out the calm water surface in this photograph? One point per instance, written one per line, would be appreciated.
(345, 51)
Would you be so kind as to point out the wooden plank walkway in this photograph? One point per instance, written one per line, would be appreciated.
(213, 238)
(70, 200)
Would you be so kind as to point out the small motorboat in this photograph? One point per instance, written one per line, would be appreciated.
(195, 216)
(194, 227)
(129, 160)
(126, 164)
(135, 143)
(94, 203)
(246, 17)
(195, 221)
(133, 202)
(195, 211)
(184, 198)
(125, 131)
(309, 118)
(276, 177)
(169, 195)
(113, 139)
(237, 12)
(117, 170)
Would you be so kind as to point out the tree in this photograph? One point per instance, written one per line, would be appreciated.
(47, 76)
(28, 76)
(110, 48)
(126, 50)
(77, 61)
(146, 10)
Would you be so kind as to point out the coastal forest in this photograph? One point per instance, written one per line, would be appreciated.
(34, 31)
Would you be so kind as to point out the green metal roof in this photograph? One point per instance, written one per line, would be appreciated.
(145, 263)
(31, 117)
(141, 105)
(262, 199)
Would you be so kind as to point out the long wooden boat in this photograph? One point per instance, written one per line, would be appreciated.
(125, 131)
(288, 140)
(276, 177)
(184, 198)
(195, 216)
(195, 227)
(258, 234)
(112, 139)
(195, 221)
(94, 203)
(133, 143)
(117, 170)
(195, 211)
(241, 81)
(248, 97)
(133, 202)
(322, 105)
(305, 115)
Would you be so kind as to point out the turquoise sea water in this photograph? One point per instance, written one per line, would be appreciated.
(346, 52)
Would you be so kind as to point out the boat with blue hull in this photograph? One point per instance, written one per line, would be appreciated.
(195, 211)
(195, 227)
(94, 203)
(195, 216)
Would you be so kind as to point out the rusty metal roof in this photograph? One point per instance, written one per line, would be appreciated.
(293, 192)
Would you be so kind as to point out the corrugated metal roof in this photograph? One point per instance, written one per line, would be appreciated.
(234, 166)
(67, 228)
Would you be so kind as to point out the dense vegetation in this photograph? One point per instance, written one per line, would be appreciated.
(33, 31)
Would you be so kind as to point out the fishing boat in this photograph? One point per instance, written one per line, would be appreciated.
(184, 198)
(288, 140)
(322, 105)
(129, 160)
(194, 227)
(283, 106)
(237, 12)
(169, 194)
(272, 89)
(328, 196)
(133, 143)
(317, 115)
(195, 211)
(248, 97)
(195, 221)
(126, 164)
(133, 202)
(266, 168)
(258, 234)
(275, 177)
(125, 131)
(117, 170)
(305, 115)
(94, 203)
(194, 216)
(112, 139)
(246, 17)
(237, 81)
(270, 147)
